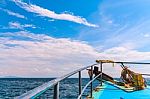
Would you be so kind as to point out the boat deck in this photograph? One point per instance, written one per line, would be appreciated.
(112, 92)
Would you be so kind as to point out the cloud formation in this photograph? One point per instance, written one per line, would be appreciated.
(51, 14)
(27, 54)
(13, 13)
(37, 55)
(17, 25)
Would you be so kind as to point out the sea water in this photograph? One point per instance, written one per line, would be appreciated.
(12, 87)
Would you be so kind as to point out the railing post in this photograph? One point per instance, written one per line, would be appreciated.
(101, 69)
(56, 91)
(80, 83)
(91, 77)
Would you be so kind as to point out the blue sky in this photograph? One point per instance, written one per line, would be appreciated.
(38, 37)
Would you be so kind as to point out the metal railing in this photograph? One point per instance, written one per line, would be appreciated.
(79, 97)
(55, 83)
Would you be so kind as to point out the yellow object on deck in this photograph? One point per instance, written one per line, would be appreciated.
(130, 78)
(133, 79)
(138, 81)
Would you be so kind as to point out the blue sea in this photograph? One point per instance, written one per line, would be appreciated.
(12, 87)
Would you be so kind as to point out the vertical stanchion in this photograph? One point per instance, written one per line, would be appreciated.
(91, 77)
(101, 69)
(56, 91)
(80, 83)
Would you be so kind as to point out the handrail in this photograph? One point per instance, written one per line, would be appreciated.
(41, 89)
(88, 85)
(133, 63)
(146, 74)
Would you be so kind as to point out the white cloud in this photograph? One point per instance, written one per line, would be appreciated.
(28, 25)
(17, 25)
(51, 14)
(13, 13)
(146, 35)
(110, 21)
(117, 28)
(131, 34)
(42, 52)
(42, 56)
(122, 53)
